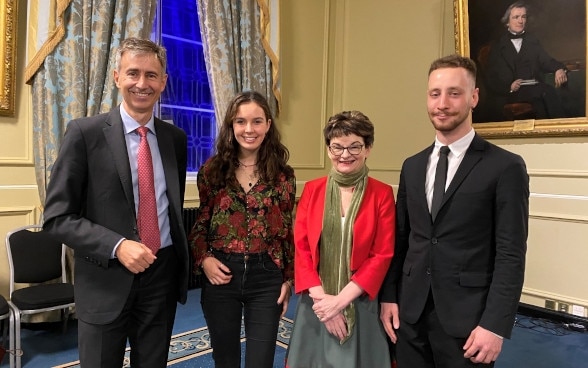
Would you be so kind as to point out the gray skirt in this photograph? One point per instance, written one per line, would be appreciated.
(312, 346)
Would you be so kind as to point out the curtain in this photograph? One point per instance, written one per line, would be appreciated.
(234, 53)
(73, 76)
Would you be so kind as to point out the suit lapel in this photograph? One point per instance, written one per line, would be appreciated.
(114, 135)
(421, 179)
(509, 52)
(472, 156)
(168, 159)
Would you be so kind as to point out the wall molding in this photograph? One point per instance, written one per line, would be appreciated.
(557, 217)
(571, 197)
(582, 174)
(29, 212)
(19, 187)
(541, 294)
(11, 161)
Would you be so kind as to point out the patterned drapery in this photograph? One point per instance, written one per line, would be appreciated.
(234, 52)
(75, 79)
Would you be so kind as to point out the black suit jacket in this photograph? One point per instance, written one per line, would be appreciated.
(90, 207)
(501, 68)
(472, 257)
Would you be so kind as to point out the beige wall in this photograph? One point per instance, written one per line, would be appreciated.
(371, 55)
(374, 55)
(19, 199)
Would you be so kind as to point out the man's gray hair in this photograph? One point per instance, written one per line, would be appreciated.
(141, 46)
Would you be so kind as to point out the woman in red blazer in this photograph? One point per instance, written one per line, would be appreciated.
(344, 239)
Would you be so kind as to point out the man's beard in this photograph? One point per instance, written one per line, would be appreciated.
(451, 124)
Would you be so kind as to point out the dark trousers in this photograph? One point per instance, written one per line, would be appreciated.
(426, 345)
(146, 320)
(252, 294)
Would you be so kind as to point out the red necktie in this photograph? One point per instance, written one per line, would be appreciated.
(147, 218)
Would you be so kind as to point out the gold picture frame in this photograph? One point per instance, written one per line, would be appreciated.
(572, 126)
(8, 17)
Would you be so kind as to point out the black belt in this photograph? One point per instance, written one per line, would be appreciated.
(241, 257)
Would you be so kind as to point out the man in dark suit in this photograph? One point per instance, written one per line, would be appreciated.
(128, 275)
(516, 66)
(453, 287)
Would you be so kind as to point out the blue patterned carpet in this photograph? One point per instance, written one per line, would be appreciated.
(535, 343)
(193, 348)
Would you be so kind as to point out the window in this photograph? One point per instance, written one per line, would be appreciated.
(186, 101)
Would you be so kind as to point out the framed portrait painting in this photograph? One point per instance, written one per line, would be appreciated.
(531, 61)
(8, 57)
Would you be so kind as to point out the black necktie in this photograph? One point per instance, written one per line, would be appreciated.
(517, 35)
(440, 179)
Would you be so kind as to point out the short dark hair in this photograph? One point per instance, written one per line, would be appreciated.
(347, 123)
(455, 61)
(141, 46)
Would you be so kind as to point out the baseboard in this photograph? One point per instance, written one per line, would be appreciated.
(552, 315)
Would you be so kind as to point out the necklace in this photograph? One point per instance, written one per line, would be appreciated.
(245, 165)
(251, 175)
(252, 178)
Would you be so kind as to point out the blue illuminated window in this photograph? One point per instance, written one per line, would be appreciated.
(186, 101)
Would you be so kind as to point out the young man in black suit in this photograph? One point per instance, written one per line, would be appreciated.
(129, 275)
(452, 290)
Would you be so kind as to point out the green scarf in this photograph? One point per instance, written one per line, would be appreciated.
(336, 243)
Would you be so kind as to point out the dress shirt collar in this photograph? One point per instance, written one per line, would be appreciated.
(514, 35)
(460, 146)
(131, 124)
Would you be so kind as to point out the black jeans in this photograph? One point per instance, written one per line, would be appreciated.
(252, 294)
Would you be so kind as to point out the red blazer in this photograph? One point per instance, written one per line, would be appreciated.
(373, 236)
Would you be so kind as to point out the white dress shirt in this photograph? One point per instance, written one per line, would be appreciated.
(454, 158)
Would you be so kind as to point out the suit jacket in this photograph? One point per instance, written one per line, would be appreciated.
(501, 68)
(472, 258)
(373, 236)
(90, 207)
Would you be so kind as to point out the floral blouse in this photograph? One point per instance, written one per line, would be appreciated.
(231, 220)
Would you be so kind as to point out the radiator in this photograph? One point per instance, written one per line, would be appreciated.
(188, 218)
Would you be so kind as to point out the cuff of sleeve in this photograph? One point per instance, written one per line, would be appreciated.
(497, 335)
(203, 257)
(113, 255)
(290, 283)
